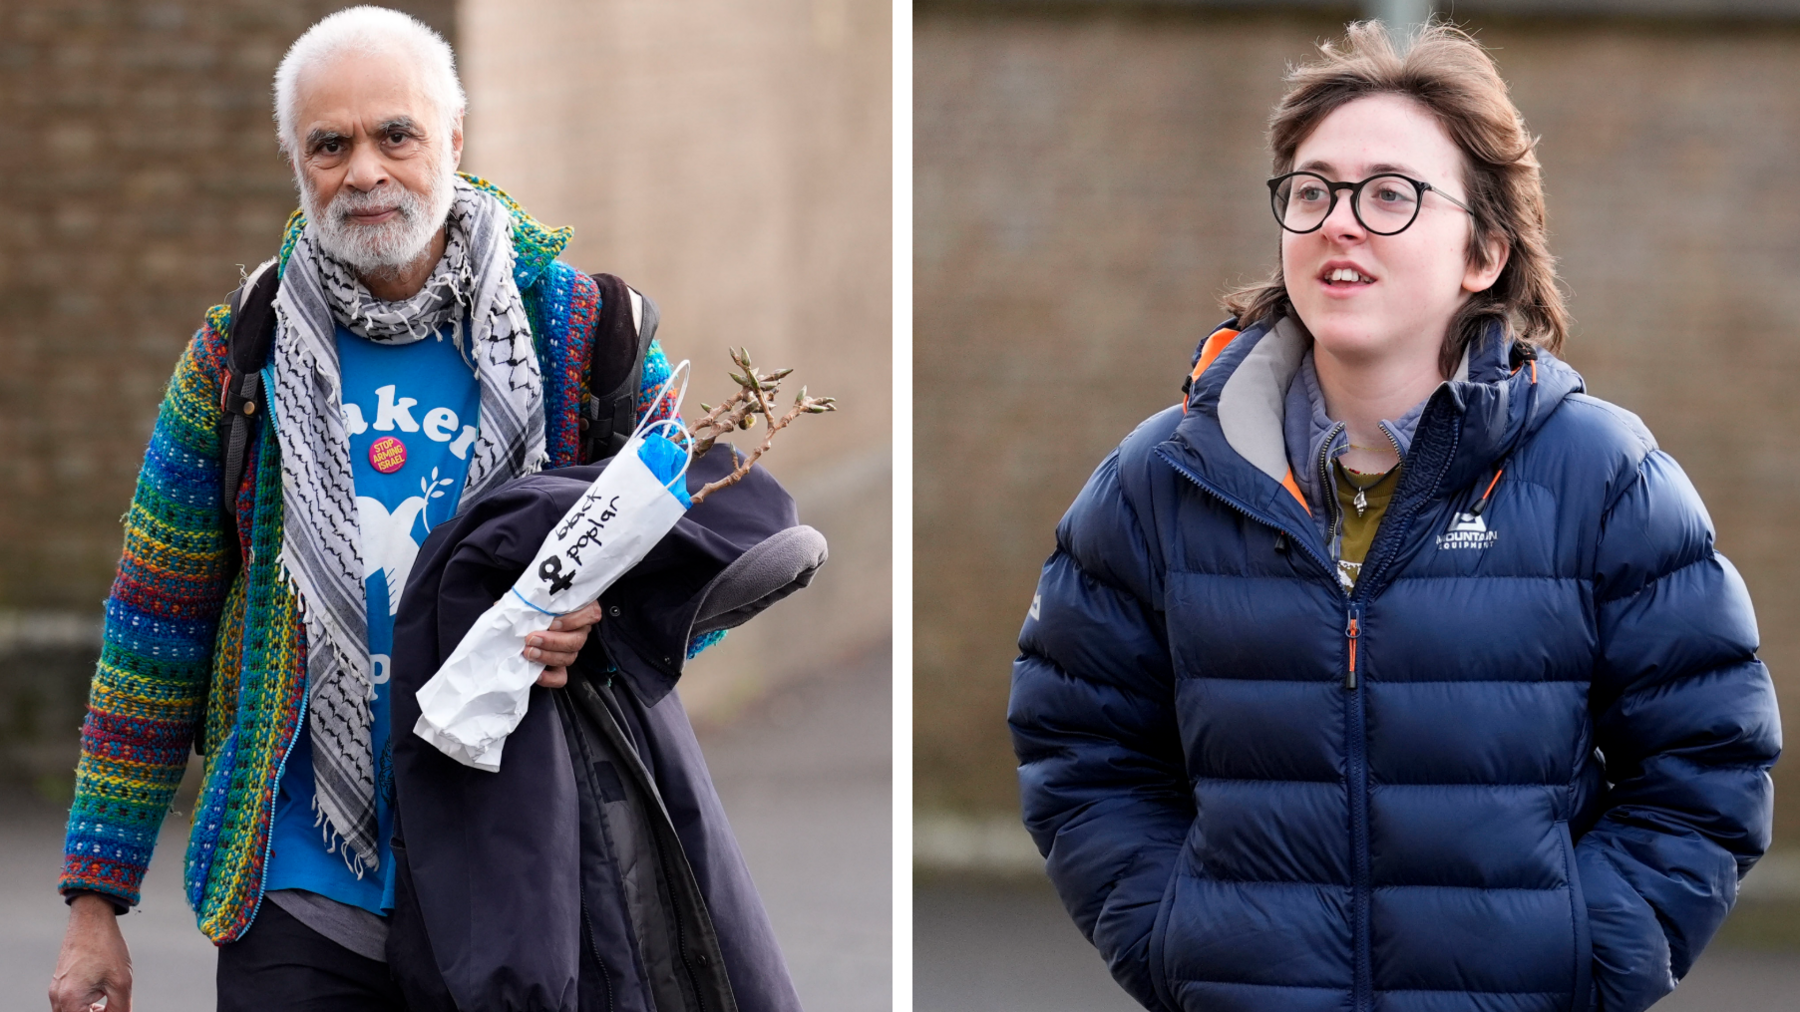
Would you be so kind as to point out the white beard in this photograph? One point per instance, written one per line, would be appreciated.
(391, 245)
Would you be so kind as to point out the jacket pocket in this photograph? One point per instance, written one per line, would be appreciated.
(1583, 994)
(1159, 938)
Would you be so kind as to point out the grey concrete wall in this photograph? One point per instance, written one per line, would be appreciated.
(1089, 180)
(733, 161)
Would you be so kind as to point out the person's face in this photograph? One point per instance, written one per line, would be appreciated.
(372, 158)
(1407, 286)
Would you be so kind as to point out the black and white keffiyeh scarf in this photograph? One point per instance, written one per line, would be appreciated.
(321, 550)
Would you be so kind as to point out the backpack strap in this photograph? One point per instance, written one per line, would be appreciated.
(241, 400)
(622, 338)
(247, 342)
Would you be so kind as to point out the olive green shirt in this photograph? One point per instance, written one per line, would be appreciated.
(1358, 524)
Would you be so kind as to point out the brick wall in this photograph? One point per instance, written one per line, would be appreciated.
(732, 160)
(1088, 181)
(138, 170)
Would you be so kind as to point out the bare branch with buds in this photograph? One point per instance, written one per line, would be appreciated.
(755, 396)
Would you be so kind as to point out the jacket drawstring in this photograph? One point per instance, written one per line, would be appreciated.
(1528, 355)
(1481, 503)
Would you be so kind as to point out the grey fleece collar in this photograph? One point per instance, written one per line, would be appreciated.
(1308, 429)
(1272, 412)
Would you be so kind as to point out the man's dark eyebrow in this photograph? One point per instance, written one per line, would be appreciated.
(405, 124)
(320, 135)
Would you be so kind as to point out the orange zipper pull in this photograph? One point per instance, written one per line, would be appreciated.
(1351, 631)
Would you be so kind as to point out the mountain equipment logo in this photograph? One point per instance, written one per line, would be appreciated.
(1036, 599)
(1468, 530)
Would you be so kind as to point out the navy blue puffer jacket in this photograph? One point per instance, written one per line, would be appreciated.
(1521, 767)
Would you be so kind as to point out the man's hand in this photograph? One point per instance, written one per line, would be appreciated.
(555, 648)
(94, 965)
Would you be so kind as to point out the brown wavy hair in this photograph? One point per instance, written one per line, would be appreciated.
(1449, 73)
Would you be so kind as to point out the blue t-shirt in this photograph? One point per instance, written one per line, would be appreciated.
(411, 412)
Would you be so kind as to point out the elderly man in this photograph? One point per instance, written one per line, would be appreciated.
(428, 348)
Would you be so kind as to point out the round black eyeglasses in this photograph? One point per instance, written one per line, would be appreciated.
(1384, 204)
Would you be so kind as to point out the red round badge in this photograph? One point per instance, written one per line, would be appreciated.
(387, 455)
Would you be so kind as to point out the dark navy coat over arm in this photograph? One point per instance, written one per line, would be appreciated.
(494, 858)
(1093, 723)
(1685, 716)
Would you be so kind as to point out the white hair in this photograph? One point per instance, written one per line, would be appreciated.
(368, 30)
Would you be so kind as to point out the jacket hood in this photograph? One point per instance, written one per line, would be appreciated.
(534, 243)
(1233, 434)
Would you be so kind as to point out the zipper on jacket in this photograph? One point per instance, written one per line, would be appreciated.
(1395, 526)
(300, 728)
(1304, 543)
(669, 863)
(269, 824)
(1399, 455)
(1328, 492)
(681, 949)
(1399, 458)
(1328, 483)
(1357, 773)
(1356, 734)
(594, 949)
(585, 755)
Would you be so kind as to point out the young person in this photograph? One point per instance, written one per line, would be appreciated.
(1390, 670)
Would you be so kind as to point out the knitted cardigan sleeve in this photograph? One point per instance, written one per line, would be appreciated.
(655, 374)
(148, 692)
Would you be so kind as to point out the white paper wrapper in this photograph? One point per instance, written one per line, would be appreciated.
(480, 694)
(482, 690)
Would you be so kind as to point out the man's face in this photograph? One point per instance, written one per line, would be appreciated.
(374, 165)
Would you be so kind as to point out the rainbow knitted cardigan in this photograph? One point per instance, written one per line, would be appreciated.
(187, 644)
